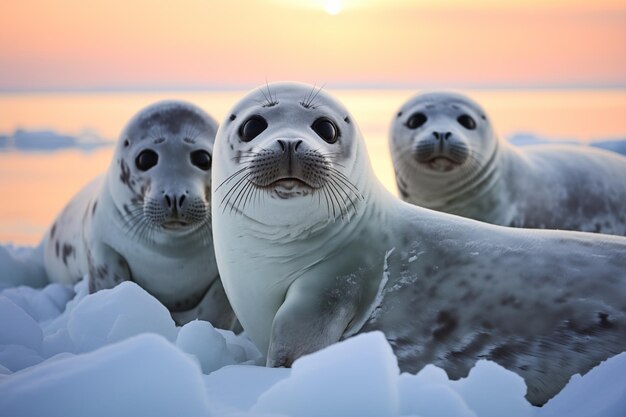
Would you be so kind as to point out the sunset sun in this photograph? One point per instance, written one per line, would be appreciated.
(333, 7)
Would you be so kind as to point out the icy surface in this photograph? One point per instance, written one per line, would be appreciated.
(49, 140)
(526, 139)
(118, 352)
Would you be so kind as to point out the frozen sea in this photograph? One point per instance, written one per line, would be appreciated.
(118, 352)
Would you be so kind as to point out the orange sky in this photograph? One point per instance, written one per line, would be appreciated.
(201, 43)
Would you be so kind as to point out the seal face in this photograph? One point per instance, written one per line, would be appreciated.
(447, 157)
(444, 289)
(271, 165)
(148, 218)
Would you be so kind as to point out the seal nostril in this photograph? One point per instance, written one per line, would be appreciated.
(436, 135)
(296, 145)
(168, 201)
(181, 200)
(447, 135)
(282, 144)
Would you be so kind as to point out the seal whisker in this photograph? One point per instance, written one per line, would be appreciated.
(330, 206)
(346, 181)
(340, 200)
(240, 196)
(334, 180)
(239, 184)
(230, 178)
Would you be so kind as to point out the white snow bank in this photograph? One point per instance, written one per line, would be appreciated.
(118, 352)
(49, 140)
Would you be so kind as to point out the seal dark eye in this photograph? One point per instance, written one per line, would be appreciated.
(466, 121)
(416, 120)
(146, 159)
(252, 128)
(326, 129)
(201, 159)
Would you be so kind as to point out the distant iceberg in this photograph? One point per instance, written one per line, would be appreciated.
(527, 139)
(48, 140)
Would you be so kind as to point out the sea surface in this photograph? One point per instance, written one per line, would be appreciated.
(37, 182)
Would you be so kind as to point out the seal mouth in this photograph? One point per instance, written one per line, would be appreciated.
(442, 163)
(289, 183)
(175, 224)
(288, 187)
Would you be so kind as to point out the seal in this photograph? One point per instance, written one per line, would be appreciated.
(447, 157)
(147, 219)
(312, 249)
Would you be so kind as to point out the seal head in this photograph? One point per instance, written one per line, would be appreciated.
(151, 184)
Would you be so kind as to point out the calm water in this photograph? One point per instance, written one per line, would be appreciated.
(35, 186)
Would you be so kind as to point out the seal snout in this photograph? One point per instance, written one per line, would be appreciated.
(175, 209)
(440, 150)
(290, 149)
(174, 203)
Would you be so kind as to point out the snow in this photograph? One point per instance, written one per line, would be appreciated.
(118, 352)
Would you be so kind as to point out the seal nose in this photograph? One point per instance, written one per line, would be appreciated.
(289, 145)
(175, 203)
(442, 135)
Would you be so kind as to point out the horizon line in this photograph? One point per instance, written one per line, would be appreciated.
(330, 85)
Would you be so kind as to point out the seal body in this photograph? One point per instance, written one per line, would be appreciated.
(147, 219)
(312, 249)
(447, 157)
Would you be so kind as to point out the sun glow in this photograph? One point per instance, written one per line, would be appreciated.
(333, 7)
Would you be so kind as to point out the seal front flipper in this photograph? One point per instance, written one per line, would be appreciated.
(107, 268)
(311, 318)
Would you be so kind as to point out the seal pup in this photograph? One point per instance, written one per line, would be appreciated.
(312, 249)
(447, 157)
(147, 219)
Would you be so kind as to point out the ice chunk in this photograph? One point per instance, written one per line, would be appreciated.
(112, 315)
(142, 376)
(16, 357)
(199, 339)
(600, 393)
(242, 348)
(237, 387)
(17, 327)
(427, 395)
(357, 377)
(21, 266)
(41, 305)
(492, 391)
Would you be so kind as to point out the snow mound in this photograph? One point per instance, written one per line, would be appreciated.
(118, 352)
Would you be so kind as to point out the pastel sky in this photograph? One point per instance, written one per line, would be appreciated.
(78, 44)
